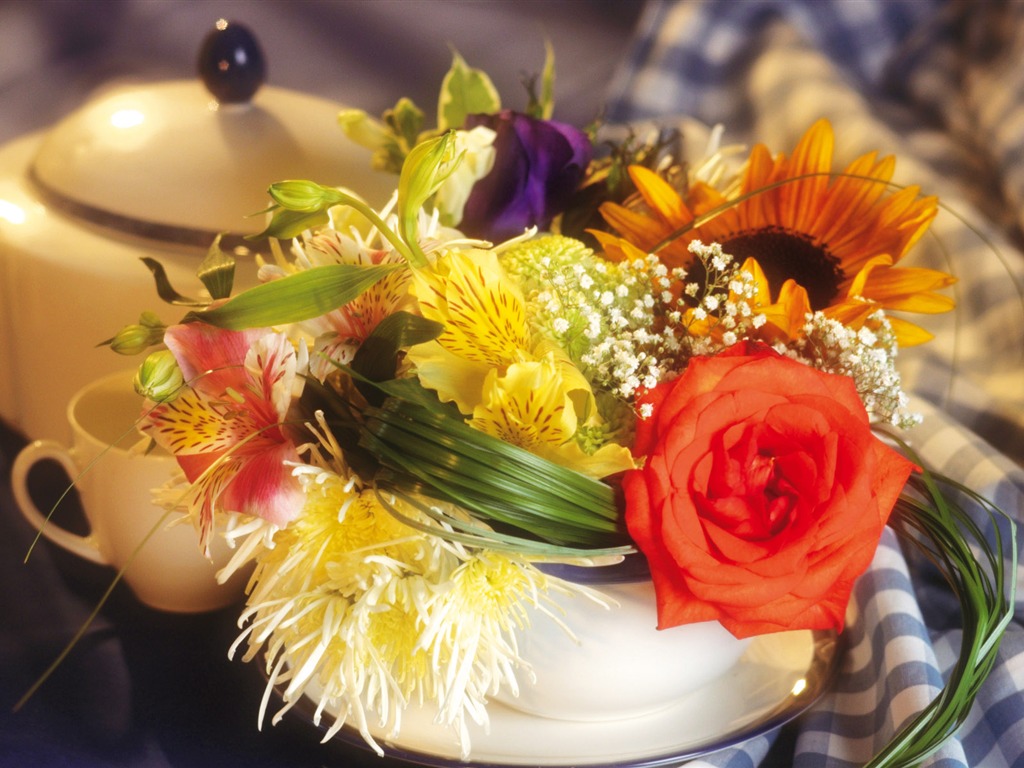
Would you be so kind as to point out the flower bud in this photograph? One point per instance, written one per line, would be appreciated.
(303, 196)
(477, 150)
(159, 378)
(136, 338)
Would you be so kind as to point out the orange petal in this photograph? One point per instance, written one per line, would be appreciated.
(637, 228)
(910, 289)
(856, 288)
(908, 334)
(800, 201)
(660, 196)
(851, 197)
(758, 208)
(615, 248)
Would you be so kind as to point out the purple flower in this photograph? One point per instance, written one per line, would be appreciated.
(538, 165)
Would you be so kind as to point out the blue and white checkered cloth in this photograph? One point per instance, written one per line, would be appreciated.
(941, 86)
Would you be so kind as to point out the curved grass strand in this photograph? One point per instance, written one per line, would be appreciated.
(942, 530)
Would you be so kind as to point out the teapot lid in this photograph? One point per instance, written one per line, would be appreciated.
(179, 162)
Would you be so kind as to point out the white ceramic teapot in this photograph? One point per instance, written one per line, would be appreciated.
(144, 171)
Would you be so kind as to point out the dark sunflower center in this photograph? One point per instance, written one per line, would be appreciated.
(783, 255)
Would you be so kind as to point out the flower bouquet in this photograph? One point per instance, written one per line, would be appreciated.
(551, 350)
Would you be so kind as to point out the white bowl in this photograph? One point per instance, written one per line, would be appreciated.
(620, 665)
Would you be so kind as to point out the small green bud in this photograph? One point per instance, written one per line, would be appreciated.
(426, 168)
(303, 196)
(150, 320)
(159, 378)
(136, 338)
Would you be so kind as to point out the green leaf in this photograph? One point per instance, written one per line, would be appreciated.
(408, 389)
(377, 355)
(301, 296)
(547, 87)
(285, 224)
(981, 573)
(465, 91)
(404, 329)
(431, 453)
(405, 120)
(542, 107)
(165, 290)
(217, 271)
(473, 534)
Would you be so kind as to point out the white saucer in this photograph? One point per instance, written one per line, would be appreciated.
(778, 677)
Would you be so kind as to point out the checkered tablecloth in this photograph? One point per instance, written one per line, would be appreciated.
(941, 86)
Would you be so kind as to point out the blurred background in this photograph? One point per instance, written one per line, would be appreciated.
(362, 53)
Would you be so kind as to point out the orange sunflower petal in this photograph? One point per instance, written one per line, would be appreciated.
(617, 248)
(910, 289)
(908, 334)
(851, 197)
(758, 210)
(638, 228)
(660, 196)
(860, 280)
(789, 313)
(800, 201)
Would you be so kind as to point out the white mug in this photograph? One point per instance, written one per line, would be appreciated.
(116, 485)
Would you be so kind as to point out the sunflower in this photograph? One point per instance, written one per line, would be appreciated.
(823, 241)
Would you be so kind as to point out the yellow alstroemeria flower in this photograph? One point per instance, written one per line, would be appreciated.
(485, 322)
(531, 406)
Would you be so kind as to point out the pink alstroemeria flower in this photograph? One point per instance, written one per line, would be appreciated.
(227, 429)
(340, 332)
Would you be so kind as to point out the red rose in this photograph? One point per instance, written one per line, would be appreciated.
(763, 495)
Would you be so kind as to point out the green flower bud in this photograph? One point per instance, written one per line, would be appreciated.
(303, 196)
(425, 170)
(159, 378)
(136, 338)
(151, 320)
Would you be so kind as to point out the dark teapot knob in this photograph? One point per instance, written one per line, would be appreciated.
(231, 63)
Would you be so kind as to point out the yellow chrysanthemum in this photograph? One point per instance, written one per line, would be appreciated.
(837, 237)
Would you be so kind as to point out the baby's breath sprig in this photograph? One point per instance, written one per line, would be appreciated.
(602, 313)
(629, 325)
(867, 355)
(717, 304)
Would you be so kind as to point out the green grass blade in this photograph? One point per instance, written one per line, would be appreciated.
(929, 519)
(429, 452)
(297, 297)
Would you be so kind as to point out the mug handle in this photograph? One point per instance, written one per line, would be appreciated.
(83, 546)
